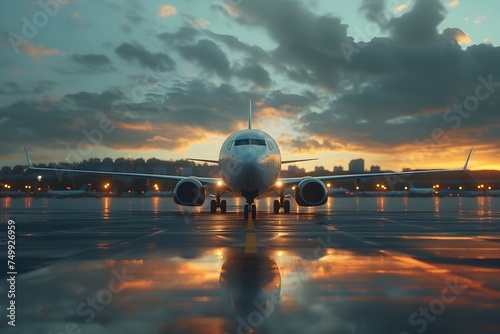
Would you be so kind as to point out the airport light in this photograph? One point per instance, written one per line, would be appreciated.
(293, 188)
(279, 183)
(357, 187)
(489, 188)
(460, 188)
(39, 178)
(219, 183)
(406, 188)
(328, 185)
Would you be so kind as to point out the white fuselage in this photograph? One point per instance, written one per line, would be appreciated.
(250, 163)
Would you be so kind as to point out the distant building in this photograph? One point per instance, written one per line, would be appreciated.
(375, 169)
(319, 169)
(357, 166)
(294, 170)
(338, 169)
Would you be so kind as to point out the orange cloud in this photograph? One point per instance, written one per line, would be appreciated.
(402, 7)
(167, 10)
(454, 3)
(35, 51)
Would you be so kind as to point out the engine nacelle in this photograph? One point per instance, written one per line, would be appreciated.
(189, 192)
(311, 192)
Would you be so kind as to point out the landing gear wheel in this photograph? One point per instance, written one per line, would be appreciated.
(276, 206)
(245, 211)
(254, 211)
(223, 206)
(213, 206)
(286, 206)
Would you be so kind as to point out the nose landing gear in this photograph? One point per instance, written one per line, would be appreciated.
(217, 203)
(281, 203)
(247, 210)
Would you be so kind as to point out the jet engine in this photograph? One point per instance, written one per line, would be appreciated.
(311, 192)
(189, 192)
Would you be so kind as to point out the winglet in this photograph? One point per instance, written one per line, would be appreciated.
(468, 158)
(30, 164)
(250, 115)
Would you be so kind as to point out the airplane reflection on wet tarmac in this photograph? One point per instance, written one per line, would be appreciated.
(349, 270)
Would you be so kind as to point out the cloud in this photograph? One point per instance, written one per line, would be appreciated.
(167, 10)
(200, 23)
(418, 26)
(457, 35)
(393, 92)
(402, 7)
(454, 3)
(183, 35)
(36, 51)
(372, 9)
(256, 73)
(136, 53)
(193, 111)
(479, 19)
(93, 62)
(37, 87)
(209, 56)
(309, 49)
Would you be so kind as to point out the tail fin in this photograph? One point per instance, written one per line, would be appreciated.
(250, 115)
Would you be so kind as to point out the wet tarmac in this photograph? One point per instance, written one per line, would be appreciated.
(356, 265)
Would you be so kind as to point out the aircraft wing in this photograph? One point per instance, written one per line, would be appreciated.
(297, 160)
(289, 181)
(204, 180)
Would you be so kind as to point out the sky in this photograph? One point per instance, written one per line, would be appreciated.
(400, 83)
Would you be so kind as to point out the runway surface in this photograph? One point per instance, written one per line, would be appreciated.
(356, 265)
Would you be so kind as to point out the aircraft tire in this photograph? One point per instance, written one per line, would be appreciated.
(286, 206)
(245, 211)
(276, 206)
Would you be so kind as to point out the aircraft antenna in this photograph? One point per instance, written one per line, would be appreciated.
(250, 115)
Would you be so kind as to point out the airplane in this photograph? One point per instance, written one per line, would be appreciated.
(250, 165)
(413, 191)
(70, 193)
(338, 192)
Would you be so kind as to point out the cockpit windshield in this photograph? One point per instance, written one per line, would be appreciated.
(249, 141)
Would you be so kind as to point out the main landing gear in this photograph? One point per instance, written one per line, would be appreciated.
(248, 209)
(281, 203)
(217, 203)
